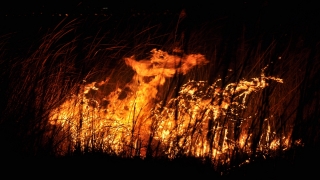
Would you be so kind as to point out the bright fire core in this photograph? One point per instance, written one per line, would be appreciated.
(202, 120)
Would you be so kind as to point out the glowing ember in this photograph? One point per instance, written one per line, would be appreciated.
(203, 120)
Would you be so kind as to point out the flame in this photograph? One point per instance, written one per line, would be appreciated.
(136, 124)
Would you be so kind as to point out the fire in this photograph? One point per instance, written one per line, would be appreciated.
(133, 122)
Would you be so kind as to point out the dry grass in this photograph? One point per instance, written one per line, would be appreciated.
(76, 53)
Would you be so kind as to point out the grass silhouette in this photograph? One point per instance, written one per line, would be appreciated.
(210, 96)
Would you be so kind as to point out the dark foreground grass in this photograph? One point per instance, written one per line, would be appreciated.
(104, 166)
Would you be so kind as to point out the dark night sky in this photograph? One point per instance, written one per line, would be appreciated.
(295, 15)
(270, 9)
(199, 6)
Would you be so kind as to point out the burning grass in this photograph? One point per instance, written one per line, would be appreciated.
(147, 93)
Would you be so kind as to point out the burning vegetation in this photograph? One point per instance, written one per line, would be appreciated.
(203, 120)
(146, 93)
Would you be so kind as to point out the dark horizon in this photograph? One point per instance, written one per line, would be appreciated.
(292, 16)
(295, 8)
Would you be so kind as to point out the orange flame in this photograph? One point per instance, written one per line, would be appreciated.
(187, 124)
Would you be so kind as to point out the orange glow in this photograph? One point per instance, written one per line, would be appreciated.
(191, 123)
